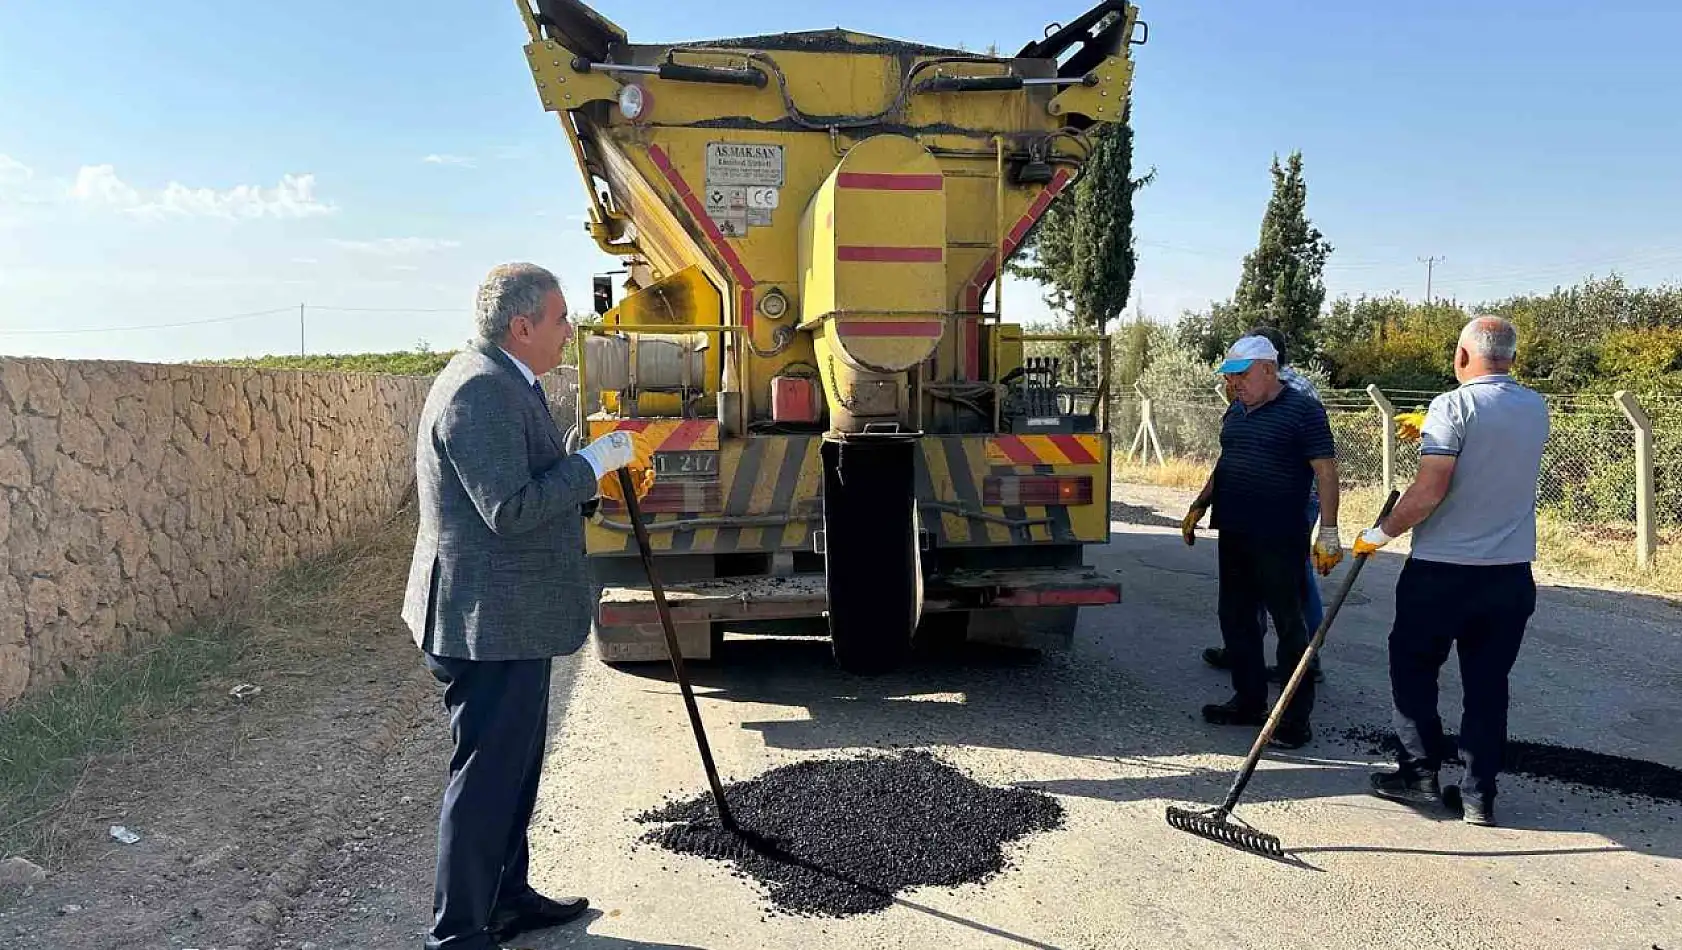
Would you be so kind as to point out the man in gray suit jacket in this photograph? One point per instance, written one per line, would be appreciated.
(497, 587)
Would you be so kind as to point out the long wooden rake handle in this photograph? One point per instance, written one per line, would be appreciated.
(1297, 675)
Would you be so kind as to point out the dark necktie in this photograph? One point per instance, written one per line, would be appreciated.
(537, 387)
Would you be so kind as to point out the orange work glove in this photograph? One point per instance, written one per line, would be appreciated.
(1408, 425)
(640, 468)
(1328, 549)
(1370, 541)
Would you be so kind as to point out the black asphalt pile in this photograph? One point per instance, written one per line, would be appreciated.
(842, 836)
(1597, 770)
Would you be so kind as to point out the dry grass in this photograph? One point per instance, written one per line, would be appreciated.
(1180, 473)
(1598, 555)
(305, 614)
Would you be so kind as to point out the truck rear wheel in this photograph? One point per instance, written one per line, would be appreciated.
(872, 561)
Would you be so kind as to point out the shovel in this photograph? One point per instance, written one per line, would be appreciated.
(634, 509)
(1216, 824)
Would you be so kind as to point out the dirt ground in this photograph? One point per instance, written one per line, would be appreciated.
(304, 817)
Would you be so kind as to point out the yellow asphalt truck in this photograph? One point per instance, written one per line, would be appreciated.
(849, 438)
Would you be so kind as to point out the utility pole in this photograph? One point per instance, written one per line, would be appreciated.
(300, 329)
(1430, 265)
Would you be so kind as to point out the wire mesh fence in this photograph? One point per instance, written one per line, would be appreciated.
(1589, 470)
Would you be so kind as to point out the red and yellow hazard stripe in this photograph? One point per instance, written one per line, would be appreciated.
(667, 435)
(773, 485)
(1045, 450)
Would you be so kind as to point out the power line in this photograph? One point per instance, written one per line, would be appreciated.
(389, 309)
(1520, 272)
(154, 326)
(1332, 263)
(230, 318)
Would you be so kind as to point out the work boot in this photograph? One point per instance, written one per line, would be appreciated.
(1234, 712)
(1473, 809)
(1409, 788)
(1216, 657)
(1292, 735)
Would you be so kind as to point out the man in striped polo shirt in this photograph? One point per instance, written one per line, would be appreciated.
(1276, 445)
(1313, 609)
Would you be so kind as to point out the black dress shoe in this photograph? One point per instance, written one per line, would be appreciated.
(1409, 788)
(532, 911)
(1233, 712)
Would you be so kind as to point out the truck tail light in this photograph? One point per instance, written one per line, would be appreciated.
(1000, 491)
(676, 497)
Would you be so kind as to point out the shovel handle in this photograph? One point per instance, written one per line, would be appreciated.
(634, 509)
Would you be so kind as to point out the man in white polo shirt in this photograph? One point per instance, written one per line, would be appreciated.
(1467, 583)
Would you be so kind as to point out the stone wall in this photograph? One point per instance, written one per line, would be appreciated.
(135, 497)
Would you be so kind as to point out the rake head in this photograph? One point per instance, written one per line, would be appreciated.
(1216, 824)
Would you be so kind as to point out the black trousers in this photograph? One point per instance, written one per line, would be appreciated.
(1482, 611)
(1264, 572)
(499, 713)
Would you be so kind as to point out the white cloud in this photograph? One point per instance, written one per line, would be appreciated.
(99, 186)
(13, 172)
(294, 197)
(395, 247)
(458, 160)
(311, 261)
(405, 268)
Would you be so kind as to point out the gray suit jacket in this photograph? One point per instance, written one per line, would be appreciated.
(498, 570)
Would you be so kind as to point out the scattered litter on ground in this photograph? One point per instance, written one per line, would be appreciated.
(124, 835)
(837, 837)
(1597, 770)
(245, 691)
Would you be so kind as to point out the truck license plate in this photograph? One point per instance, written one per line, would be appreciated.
(682, 465)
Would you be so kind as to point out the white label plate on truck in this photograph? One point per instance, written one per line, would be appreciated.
(735, 163)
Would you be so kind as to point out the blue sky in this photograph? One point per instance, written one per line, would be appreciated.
(183, 160)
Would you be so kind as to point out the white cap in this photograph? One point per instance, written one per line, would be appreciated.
(1247, 350)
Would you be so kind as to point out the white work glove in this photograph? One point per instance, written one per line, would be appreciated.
(610, 453)
(1370, 541)
(1328, 549)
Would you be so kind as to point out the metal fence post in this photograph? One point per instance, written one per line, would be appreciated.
(1138, 445)
(1387, 411)
(1148, 413)
(1646, 526)
(1145, 439)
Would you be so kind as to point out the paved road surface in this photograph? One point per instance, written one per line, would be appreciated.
(1111, 729)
